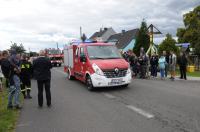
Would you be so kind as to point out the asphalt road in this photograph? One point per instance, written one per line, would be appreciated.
(145, 106)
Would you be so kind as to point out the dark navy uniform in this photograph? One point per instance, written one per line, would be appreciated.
(143, 61)
(25, 76)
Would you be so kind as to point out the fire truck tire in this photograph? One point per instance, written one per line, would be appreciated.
(69, 76)
(89, 84)
(125, 86)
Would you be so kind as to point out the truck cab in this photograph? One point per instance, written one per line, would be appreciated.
(97, 65)
(55, 56)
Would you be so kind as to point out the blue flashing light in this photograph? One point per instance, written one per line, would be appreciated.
(76, 42)
(87, 41)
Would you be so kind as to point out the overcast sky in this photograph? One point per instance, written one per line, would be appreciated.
(41, 23)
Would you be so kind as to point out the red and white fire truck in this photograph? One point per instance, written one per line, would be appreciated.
(96, 64)
(55, 55)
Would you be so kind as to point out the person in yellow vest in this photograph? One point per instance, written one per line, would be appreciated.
(25, 76)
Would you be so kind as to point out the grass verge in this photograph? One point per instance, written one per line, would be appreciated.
(194, 74)
(8, 118)
(190, 74)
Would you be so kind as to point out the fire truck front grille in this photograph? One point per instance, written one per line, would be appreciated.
(114, 74)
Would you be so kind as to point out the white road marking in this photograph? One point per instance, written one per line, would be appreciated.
(131, 107)
(110, 96)
(140, 111)
(24, 124)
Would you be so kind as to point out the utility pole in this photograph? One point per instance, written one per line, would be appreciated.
(57, 45)
(80, 32)
(29, 51)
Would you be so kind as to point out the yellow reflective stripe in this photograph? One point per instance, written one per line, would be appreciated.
(23, 90)
(28, 88)
(22, 66)
(27, 65)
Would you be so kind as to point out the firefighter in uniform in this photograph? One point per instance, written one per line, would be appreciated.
(26, 73)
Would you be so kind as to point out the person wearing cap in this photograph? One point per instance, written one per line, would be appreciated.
(42, 73)
(15, 82)
(25, 76)
(15, 64)
(11, 74)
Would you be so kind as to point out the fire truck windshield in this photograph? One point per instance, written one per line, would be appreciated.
(55, 58)
(103, 52)
(54, 51)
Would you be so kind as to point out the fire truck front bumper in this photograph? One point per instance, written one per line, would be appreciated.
(103, 81)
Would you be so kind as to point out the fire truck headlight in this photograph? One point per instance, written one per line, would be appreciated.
(128, 71)
(97, 69)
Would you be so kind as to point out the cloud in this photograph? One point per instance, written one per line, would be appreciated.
(43, 23)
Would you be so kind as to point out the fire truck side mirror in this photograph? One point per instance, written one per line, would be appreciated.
(83, 58)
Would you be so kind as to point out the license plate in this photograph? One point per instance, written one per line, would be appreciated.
(116, 81)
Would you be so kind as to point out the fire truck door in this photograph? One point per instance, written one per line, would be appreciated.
(83, 66)
(77, 64)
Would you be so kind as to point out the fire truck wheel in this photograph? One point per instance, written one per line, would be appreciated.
(125, 86)
(89, 83)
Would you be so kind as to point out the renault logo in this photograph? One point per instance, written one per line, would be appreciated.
(116, 70)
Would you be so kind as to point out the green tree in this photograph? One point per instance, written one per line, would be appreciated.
(19, 48)
(191, 32)
(168, 45)
(142, 39)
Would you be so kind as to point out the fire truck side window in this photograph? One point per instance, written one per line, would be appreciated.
(82, 51)
(77, 52)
